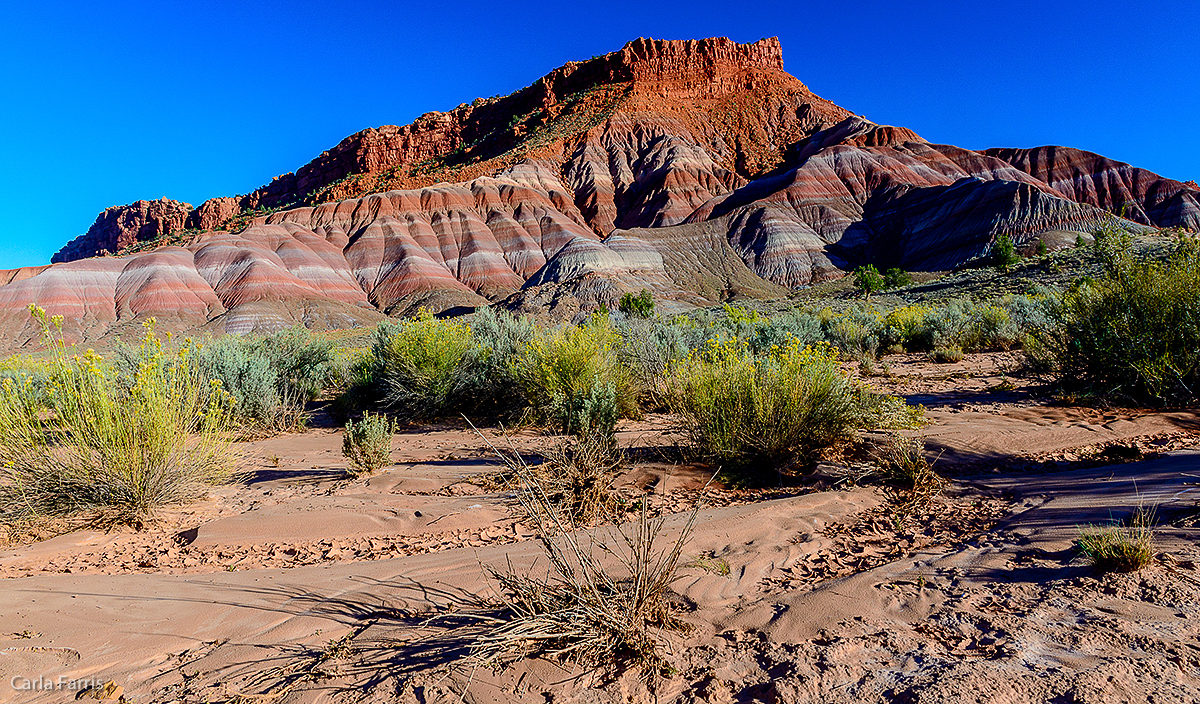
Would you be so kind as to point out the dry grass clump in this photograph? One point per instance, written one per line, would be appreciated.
(576, 476)
(107, 447)
(367, 444)
(1120, 547)
(602, 601)
(946, 355)
(902, 462)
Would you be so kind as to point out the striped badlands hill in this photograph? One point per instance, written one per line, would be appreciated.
(698, 169)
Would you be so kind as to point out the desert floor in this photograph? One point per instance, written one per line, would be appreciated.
(301, 584)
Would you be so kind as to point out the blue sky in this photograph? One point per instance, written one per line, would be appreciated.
(107, 103)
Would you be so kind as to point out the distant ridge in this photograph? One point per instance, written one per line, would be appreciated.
(699, 169)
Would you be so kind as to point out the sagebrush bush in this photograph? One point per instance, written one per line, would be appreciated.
(501, 337)
(424, 365)
(271, 378)
(647, 347)
(305, 363)
(855, 331)
(1132, 335)
(255, 384)
(756, 415)
(801, 325)
(367, 444)
(113, 448)
(961, 323)
(573, 378)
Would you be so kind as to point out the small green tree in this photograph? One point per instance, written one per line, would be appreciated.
(639, 306)
(1004, 253)
(868, 280)
(896, 277)
(1042, 250)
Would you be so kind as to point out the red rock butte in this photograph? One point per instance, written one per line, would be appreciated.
(697, 169)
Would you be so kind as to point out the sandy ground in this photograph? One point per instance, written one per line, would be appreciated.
(302, 585)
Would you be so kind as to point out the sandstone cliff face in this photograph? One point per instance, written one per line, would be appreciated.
(698, 169)
(123, 225)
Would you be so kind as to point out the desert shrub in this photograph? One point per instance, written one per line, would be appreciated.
(855, 331)
(367, 444)
(270, 378)
(1029, 312)
(424, 365)
(905, 327)
(603, 602)
(756, 414)
(637, 306)
(31, 388)
(963, 324)
(896, 277)
(1120, 547)
(113, 449)
(501, 337)
(306, 364)
(647, 347)
(575, 476)
(804, 326)
(1134, 333)
(260, 395)
(573, 378)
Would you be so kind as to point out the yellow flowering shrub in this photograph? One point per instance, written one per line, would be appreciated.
(573, 378)
(422, 364)
(756, 415)
(113, 446)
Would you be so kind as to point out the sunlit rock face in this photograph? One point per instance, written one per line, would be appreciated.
(697, 169)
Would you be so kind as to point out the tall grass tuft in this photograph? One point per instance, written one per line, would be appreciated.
(112, 449)
(1120, 547)
(603, 601)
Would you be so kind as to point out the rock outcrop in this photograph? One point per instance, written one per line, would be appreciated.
(698, 169)
(123, 225)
